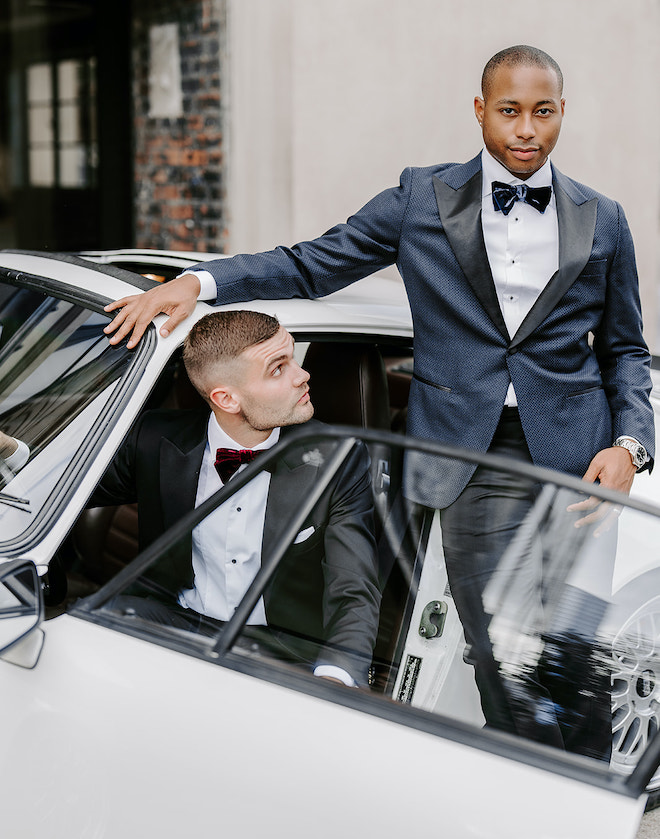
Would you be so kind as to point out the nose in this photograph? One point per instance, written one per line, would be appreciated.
(525, 127)
(300, 376)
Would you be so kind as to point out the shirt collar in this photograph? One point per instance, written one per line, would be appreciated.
(219, 439)
(494, 171)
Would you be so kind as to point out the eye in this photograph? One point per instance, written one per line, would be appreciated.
(277, 371)
(544, 112)
(507, 111)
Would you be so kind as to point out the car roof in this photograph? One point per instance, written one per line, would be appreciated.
(376, 305)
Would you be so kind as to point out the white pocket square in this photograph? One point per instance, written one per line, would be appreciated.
(303, 535)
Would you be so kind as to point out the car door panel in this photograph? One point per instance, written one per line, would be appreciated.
(121, 738)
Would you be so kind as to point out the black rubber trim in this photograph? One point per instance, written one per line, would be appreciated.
(136, 280)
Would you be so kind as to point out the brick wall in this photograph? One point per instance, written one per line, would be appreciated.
(179, 181)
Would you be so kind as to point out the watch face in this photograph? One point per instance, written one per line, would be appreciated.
(639, 455)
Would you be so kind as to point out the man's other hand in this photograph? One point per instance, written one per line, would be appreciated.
(176, 299)
(612, 468)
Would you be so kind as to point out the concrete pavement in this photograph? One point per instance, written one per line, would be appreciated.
(650, 826)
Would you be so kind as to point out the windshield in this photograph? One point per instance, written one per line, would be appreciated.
(57, 373)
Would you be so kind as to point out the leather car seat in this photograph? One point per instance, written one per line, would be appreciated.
(105, 539)
(348, 384)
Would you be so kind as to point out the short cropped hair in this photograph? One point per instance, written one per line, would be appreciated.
(519, 56)
(218, 339)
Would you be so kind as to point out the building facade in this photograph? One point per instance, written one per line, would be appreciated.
(236, 125)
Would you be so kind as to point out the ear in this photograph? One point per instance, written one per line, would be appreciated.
(225, 399)
(479, 109)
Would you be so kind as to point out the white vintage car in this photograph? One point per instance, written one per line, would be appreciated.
(120, 725)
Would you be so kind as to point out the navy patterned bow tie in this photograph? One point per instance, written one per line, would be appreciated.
(227, 461)
(506, 195)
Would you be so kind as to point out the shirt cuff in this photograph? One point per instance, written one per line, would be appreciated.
(335, 673)
(19, 458)
(208, 290)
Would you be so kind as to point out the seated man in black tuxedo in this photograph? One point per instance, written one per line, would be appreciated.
(325, 588)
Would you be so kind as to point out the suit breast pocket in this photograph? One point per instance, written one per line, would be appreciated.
(308, 540)
(304, 535)
(585, 391)
(594, 268)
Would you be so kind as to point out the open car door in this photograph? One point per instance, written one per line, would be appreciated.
(142, 716)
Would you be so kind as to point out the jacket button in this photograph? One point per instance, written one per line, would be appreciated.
(512, 351)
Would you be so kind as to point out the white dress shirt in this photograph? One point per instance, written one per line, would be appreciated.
(522, 247)
(226, 553)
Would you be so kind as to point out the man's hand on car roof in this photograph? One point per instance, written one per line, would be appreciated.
(176, 299)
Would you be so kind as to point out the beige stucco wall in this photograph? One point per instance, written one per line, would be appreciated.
(329, 101)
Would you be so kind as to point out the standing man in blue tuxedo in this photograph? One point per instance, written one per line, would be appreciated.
(528, 331)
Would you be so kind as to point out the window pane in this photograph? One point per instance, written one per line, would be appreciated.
(42, 167)
(549, 628)
(39, 84)
(57, 373)
(69, 116)
(72, 166)
(41, 125)
(68, 76)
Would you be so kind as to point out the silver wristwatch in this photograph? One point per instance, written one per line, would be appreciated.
(637, 450)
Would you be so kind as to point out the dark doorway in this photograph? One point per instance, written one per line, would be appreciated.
(65, 155)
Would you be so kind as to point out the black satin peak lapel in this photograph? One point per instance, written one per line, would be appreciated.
(292, 481)
(460, 213)
(577, 225)
(180, 471)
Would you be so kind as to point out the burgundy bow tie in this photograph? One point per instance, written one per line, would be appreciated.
(227, 461)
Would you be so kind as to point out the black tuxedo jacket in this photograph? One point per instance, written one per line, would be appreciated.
(325, 588)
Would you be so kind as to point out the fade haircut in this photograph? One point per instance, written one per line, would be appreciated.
(218, 339)
(519, 56)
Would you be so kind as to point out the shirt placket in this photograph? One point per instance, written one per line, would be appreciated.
(512, 302)
(235, 555)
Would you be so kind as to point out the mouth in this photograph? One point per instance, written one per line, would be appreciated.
(304, 398)
(524, 153)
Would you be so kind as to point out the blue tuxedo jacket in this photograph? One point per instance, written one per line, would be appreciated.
(578, 362)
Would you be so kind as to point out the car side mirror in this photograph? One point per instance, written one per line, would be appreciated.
(21, 611)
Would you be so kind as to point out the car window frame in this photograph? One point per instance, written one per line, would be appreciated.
(219, 649)
(66, 486)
